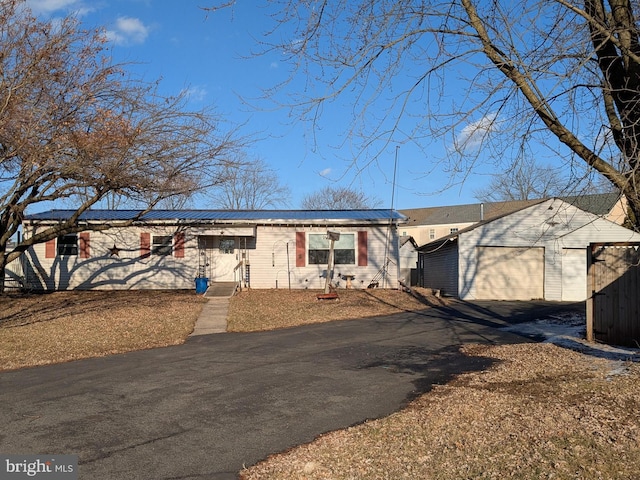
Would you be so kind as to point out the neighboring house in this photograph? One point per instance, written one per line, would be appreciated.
(168, 249)
(428, 224)
(537, 252)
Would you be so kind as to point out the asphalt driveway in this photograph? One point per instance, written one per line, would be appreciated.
(204, 409)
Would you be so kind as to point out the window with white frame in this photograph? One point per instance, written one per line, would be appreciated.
(162, 245)
(454, 230)
(344, 251)
(432, 234)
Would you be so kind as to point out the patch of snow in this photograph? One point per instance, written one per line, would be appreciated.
(569, 331)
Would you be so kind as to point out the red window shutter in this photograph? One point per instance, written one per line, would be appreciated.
(50, 249)
(178, 245)
(363, 253)
(84, 245)
(301, 249)
(145, 244)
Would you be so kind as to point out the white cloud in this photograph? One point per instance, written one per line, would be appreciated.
(325, 173)
(273, 65)
(128, 31)
(47, 7)
(50, 6)
(474, 133)
(195, 93)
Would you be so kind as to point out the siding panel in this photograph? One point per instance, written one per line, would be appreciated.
(440, 269)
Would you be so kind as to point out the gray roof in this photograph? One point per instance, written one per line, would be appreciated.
(235, 216)
(470, 213)
(598, 204)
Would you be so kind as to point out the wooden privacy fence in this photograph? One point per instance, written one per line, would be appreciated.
(613, 301)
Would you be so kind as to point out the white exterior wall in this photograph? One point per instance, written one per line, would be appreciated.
(266, 255)
(128, 270)
(552, 225)
(268, 262)
(408, 261)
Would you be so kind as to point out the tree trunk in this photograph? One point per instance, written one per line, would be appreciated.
(3, 264)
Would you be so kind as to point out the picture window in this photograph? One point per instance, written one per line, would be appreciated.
(343, 249)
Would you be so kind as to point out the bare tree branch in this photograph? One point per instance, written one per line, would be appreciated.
(339, 198)
(74, 127)
(493, 81)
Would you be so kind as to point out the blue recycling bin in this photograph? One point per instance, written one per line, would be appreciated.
(201, 284)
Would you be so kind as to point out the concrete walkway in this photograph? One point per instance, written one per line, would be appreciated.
(213, 318)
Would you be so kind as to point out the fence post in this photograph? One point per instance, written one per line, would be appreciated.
(590, 292)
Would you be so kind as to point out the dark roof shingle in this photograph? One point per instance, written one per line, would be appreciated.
(598, 204)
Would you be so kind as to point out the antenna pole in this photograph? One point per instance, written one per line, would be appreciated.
(385, 265)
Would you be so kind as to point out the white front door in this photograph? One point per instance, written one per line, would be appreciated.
(218, 256)
(225, 259)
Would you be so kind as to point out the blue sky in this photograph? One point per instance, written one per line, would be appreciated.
(210, 56)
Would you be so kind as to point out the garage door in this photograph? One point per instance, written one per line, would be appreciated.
(509, 273)
(574, 274)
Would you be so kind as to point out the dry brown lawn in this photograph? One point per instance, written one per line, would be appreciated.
(540, 411)
(39, 329)
(256, 310)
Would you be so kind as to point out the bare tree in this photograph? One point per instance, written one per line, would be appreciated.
(488, 79)
(524, 181)
(75, 128)
(250, 185)
(338, 198)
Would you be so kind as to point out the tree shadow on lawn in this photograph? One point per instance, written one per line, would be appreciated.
(20, 309)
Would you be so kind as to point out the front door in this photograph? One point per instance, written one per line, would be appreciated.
(218, 256)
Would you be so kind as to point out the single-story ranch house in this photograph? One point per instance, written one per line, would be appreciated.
(169, 249)
(537, 252)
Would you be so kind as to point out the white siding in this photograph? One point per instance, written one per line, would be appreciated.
(408, 262)
(552, 225)
(574, 274)
(266, 255)
(269, 259)
(127, 270)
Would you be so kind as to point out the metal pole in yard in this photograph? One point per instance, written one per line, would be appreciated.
(288, 267)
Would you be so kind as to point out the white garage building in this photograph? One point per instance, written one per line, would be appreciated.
(538, 252)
